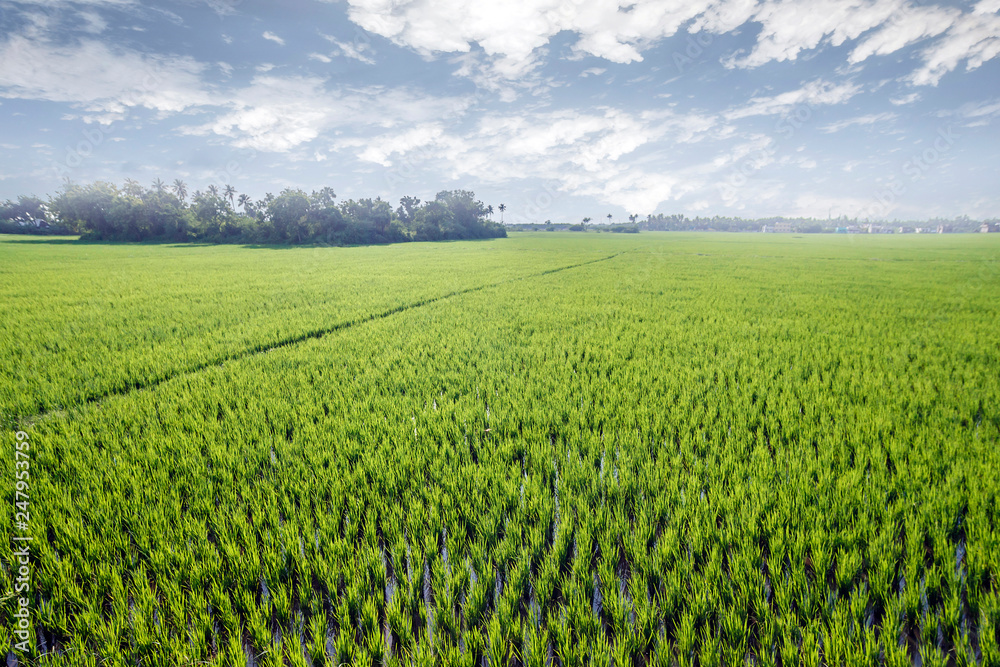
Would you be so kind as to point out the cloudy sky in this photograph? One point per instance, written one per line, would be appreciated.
(558, 108)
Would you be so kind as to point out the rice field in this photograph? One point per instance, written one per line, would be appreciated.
(551, 449)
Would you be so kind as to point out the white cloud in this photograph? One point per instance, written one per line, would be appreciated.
(512, 36)
(587, 154)
(869, 119)
(271, 37)
(791, 26)
(593, 71)
(812, 94)
(277, 114)
(978, 114)
(909, 24)
(974, 38)
(98, 79)
(504, 83)
(320, 57)
(381, 149)
(93, 23)
(356, 51)
(223, 7)
(981, 109)
(904, 99)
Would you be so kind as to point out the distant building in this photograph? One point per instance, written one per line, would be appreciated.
(988, 227)
(879, 229)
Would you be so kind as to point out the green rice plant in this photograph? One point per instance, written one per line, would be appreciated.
(809, 648)
(317, 637)
(536, 644)
(686, 638)
(497, 647)
(988, 645)
(475, 644)
(620, 653)
(232, 654)
(790, 642)
(711, 651)
(697, 448)
(344, 645)
(734, 632)
(848, 568)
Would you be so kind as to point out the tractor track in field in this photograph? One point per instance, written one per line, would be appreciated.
(26, 422)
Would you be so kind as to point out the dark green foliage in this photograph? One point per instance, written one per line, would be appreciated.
(103, 212)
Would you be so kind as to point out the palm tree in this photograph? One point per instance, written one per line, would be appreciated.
(489, 210)
(230, 192)
(632, 218)
(502, 207)
(159, 186)
(585, 221)
(609, 218)
(180, 189)
(245, 202)
(214, 191)
(132, 187)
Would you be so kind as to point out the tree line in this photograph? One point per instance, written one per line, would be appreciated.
(801, 225)
(102, 211)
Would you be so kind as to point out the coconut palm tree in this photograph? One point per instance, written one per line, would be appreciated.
(585, 221)
(609, 218)
(214, 191)
(245, 203)
(230, 193)
(159, 186)
(489, 211)
(180, 189)
(502, 208)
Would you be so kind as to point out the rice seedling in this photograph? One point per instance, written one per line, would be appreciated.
(743, 456)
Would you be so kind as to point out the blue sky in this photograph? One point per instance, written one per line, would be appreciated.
(558, 108)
